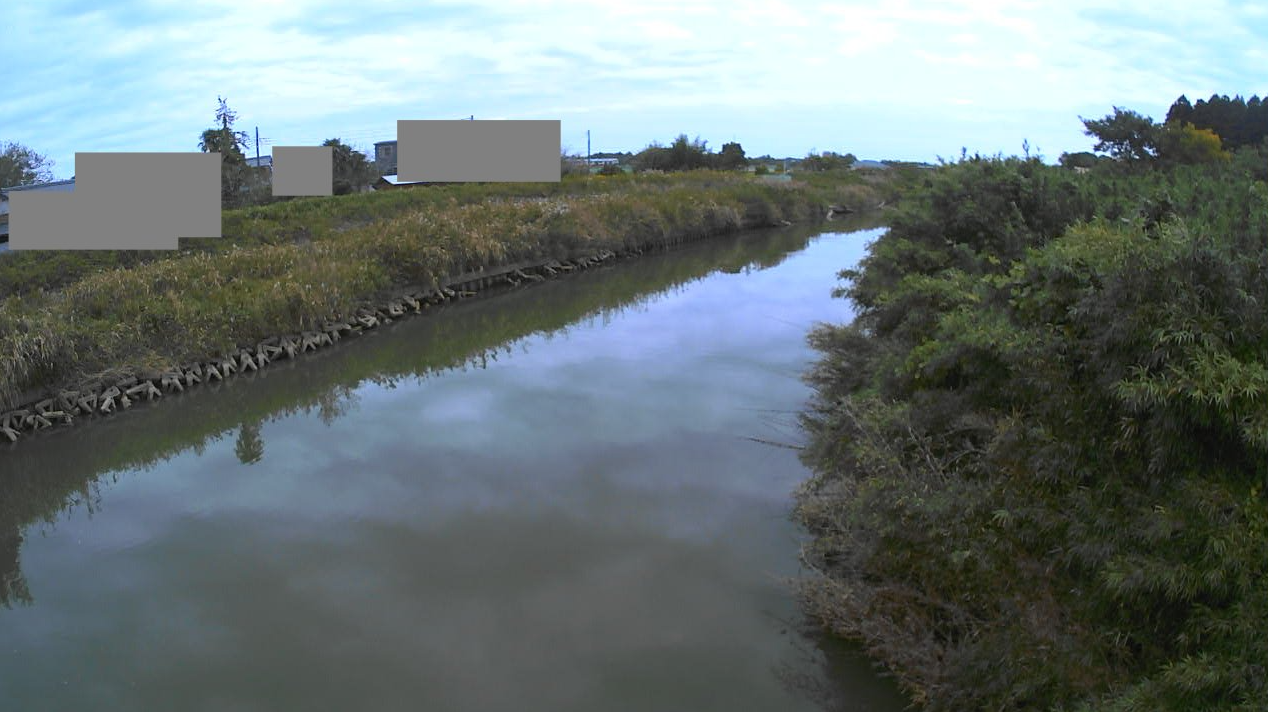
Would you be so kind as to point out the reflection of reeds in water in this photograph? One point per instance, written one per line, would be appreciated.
(13, 588)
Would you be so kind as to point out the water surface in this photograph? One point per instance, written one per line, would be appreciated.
(548, 499)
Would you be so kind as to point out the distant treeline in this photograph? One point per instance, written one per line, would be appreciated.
(1209, 131)
(685, 154)
(1238, 122)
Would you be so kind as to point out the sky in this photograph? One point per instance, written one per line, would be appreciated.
(908, 80)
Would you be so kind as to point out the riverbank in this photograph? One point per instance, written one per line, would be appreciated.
(1040, 449)
(89, 334)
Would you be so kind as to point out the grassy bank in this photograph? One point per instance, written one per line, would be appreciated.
(1041, 450)
(290, 266)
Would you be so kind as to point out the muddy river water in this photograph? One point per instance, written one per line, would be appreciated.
(560, 497)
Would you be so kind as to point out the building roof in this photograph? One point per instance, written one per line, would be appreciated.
(393, 180)
(68, 184)
(262, 161)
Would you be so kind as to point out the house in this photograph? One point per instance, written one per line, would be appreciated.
(260, 162)
(57, 185)
(385, 157)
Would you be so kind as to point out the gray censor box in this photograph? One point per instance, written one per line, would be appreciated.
(462, 151)
(122, 201)
(303, 170)
(148, 201)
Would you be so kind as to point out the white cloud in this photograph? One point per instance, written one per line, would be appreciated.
(145, 76)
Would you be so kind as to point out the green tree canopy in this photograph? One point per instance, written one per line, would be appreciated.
(1185, 143)
(352, 170)
(827, 161)
(686, 154)
(1081, 159)
(20, 165)
(731, 156)
(1125, 135)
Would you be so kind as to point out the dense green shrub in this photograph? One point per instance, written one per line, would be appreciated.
(1041, 449)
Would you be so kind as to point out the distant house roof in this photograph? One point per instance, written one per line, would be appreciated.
(261, 162)
(392, 181)
(64, 185)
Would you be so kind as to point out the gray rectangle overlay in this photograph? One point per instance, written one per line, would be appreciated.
(467, 151)
(123, 201)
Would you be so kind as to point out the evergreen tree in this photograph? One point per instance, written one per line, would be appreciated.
(229, 143)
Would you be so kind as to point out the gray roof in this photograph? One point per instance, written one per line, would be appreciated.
(68, 184)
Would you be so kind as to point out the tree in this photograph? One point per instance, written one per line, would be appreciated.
(827, 161)
(1180, 111)
(1082, 159)
(731, 157)
(687, 155)
(1125, 135)
(224, 139)
(20, 165)
(1185, 143)
(229, 144)
(653, 158)
(352, 171)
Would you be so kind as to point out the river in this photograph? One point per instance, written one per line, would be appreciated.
(553, 498)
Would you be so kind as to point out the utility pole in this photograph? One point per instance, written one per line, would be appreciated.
(587, 147)
(257, 146)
